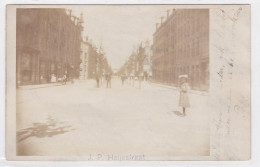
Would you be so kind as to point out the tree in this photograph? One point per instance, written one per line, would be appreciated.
(134, 64)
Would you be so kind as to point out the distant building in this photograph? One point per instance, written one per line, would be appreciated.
(147, 64)
(181, 46)
(94, 61)
(85, 53)
(48, 44)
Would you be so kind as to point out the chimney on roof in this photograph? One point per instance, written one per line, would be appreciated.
(157, 26)
(77, 21)
(81, 18)
(168, 13)
(70, 11)
(162, 20)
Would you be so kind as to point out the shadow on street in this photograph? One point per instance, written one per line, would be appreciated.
(178, 113)
(40, 130)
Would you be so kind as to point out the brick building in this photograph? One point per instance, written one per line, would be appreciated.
(48, 43)
(181, 46)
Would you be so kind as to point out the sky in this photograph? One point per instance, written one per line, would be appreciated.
(120, 28)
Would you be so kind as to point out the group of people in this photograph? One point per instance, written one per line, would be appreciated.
(123, 78)
(107, 78)
(132, 79)
(63, 79)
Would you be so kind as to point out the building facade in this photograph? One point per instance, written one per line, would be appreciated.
(85, 54)
(48, 44)
(94, 60)
(181, 46)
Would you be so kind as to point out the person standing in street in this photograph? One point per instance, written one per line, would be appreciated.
(108, 78)
(133, 80)
(97, 79)
(64, 78)
(184, 99)
(123, 77)
(53, 78)
(140, 79)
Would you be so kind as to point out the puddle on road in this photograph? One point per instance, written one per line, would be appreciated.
(40, 130)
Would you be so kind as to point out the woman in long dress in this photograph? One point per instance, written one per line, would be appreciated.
(184, 98)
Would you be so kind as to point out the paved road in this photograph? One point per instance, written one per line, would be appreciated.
(80, 119)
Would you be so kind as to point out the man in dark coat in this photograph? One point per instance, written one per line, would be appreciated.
(97, 79)
(108, 78)
(123, 77)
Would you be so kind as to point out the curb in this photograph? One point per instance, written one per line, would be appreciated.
(203, 93)
(29, 87)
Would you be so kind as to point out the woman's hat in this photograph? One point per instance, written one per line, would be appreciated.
(183, 78)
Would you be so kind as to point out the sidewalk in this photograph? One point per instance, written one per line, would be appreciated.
(25, 87)
(37, 86)
(203, 93)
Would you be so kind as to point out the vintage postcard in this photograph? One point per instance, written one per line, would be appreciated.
(128, 82)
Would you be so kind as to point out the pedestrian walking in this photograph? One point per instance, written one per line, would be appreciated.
(184, 87)
(145, 76)
(64, 79)
(97, 79)
(133, 79)
(53, 78)
(123, 77)
(140, 79)
(108, 78)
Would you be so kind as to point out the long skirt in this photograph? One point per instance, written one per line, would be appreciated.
(184, 100)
